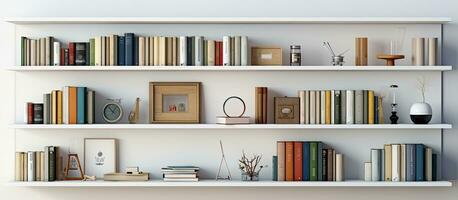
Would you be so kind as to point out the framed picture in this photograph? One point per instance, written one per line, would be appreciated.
(100, 156)
(286, 110)
(174, 102)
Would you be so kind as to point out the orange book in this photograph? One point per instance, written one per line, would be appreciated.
(72, 103)
(328, 106)
(371, 107)
(297, 161)
(289, 161)
(59, 107)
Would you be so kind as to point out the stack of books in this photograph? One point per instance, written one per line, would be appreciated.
(39, 165)
(402, 162)
(71, 105)
(340, 107)
(307, 161)
(180, 173)
(130, 49)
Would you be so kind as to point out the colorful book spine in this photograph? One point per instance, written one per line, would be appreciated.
(419, 162)
(122, 50)
(313, 161)
(289, 161)
(129, 49)
(411, 162)
(298, 176)
(81, 105)
(305, 161)
(274, 168)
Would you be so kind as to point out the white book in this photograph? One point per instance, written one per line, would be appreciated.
(432, 51)
(367, 171)
(395, 162)
(317, 107)
(339, 167)
(232, 120)
(199, 51)
(403, 163)
(350, 106)
(376, 163)
(244, 51)
(56, 56)
(428, 164)
(226, 51)
(183, 54)
(313, 107)
(65, 112)
(97, 50)
(323, 107)
(332, 107)
(26, 112)
(31, 166)
(237, 50)
(359, 106)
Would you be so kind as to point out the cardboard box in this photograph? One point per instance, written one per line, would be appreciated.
(266, 56)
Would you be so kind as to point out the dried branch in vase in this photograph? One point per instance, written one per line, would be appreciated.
(251, 166)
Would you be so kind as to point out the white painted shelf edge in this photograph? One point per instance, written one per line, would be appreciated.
(226, 20)
(228, 68)
(213, 183)
(241, 126)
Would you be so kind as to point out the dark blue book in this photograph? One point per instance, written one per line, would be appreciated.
(376, 110)
(410, 165)
(136, 51)
(320, 161)
(189, 50)
(121, 50)
(81, 105)
(420, 162)
(434, 168)
(306, 161)
(274, 168)
(129, 49)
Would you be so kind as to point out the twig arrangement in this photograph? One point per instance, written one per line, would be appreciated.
(251, 166)
(422, 87)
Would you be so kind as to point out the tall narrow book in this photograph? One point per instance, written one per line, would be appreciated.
(395, 162)
(281, 154)
(305, 161)
(289, 161)
(298, 176)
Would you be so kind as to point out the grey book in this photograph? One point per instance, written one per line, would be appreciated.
(365, 105)
(47, 108)
(359, 99)
(410, 164)
(237, 45)
(337, 111)
(343, 106)
(46, 164)
(376, 164)
(31, 166)
(244, 51)
(90, 112)
(382, 165)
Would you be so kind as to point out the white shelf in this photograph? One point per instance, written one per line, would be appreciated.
(229, 68)
(218, 126)
(212, 183)
(228, 20)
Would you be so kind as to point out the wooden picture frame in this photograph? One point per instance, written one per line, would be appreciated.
(100, 156)
(174, 102)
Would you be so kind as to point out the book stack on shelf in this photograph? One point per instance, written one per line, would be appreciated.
(131, 49)
(340, 107)
(402, 162)
(71, 105)
(180, 173)
(39, 165)
(307, 161)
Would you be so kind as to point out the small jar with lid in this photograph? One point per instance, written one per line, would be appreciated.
(295, 55)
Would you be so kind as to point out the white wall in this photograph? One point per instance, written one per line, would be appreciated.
(83, 8)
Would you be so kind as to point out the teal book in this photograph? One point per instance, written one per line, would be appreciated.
(274, 168)
(313, 161)
(306, 161)
(320, 161)
(92, 52)
(419, 162)
(81, 105)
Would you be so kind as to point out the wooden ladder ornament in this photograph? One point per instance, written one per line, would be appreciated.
(68, 168)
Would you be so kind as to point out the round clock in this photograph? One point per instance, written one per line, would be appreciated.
(112, 112)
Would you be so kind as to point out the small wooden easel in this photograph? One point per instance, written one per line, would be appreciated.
(68, 168)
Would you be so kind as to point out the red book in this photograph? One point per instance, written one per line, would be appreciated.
(216, 53)
(29, 113)
(71, 53)
(297, 161)
(221, 53)
(289, 161)
(62, 56)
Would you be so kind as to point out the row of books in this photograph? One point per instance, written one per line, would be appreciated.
(307, 161)
(340, 107)
(131, 49)
(71, 105)
(180, 173)
(402, 162)
(39, 165)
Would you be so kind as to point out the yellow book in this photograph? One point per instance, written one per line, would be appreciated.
(59, 107)
(211, 53)
(24, 166)
(370, 107)
(18, 167)
(141, 51)
(381, 119)
(156, 51)
(387, 158)
(54, 107)
(328, 106)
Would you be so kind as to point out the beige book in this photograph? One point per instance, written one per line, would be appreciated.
(432, 51)
(126, 177)
(98, 50)
(312, 107)
(281, 155)
(428, 164)
(24, 167)
(103, 51)
(42, 51)
(107, 50)
(113, 50)
(339, 167)
(33, 52)
(177, 61)
(42, 166)
(323, 107)
(403, 162)
(48, 51)
(174, 51)
(151, 51)
(169, 50)
(367, 171)
(37, 166)
(156, 51)
(419, 51)
(211, 52)
(146, 51)
(162, 51)
(141, 51)
(318, 107)
(388, 154)
(414, 51)
(237, 42)
(301, 94)
(18, 167)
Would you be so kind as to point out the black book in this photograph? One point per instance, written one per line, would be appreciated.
(189, 51)
(129, 48)
(136, 51)
(52, 163)
(337, 108)
(88, 53)
(38, 113)
(80, 53)
(325, 164)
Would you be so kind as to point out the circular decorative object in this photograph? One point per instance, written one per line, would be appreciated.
(421, 113)
(234, 97)
(112, 112)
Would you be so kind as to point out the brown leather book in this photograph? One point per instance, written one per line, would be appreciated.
(264, 105)
(289, 161)
(59, 107)
(168, 42)
(72, 103)
(329, 163)
(258, 105)
(174, 51)
(297, 161)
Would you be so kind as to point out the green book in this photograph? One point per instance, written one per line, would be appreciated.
(313, 161)
(23, 40)
(337, 107)
(274, 168)
(92, 52)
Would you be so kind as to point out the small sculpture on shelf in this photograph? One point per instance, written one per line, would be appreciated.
(337, 60)
(223, 160)
(394, 118)
(135, 113)
(392, 57)
(421, 112)
(250, 167)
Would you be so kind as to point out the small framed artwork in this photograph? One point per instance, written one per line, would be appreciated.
(100, 156)
(286, 110)
(174, 102)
